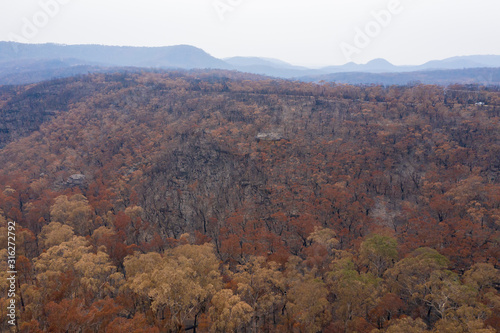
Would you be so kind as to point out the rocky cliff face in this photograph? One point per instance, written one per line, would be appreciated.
(195, 183)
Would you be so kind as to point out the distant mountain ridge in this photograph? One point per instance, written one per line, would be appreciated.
(26, 63)
(482, 76)
(178, 56)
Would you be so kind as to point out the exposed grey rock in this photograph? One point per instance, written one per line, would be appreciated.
(270, 136)
(76, 179)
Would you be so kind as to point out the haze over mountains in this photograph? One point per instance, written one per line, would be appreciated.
(25, 63)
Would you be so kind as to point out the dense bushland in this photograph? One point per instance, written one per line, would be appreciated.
(151, 202)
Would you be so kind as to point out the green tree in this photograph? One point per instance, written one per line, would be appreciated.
(355, 294)
(409, 276)
(379, 253)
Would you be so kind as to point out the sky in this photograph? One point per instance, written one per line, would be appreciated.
(310, 33)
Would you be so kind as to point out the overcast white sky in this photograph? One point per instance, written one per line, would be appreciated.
(297, 31)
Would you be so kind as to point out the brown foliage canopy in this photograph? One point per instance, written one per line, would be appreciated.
(152, 202)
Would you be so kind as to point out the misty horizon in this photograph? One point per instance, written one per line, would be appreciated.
(314, 35)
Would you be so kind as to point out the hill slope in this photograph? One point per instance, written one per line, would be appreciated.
(162, 201)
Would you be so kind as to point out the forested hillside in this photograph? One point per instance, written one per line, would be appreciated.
(221, 202)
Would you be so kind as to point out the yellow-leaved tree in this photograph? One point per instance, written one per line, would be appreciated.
(262, 285)
(74, 211)
(54, 234)
(93, 272)
(180, 282)
(228, 312)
